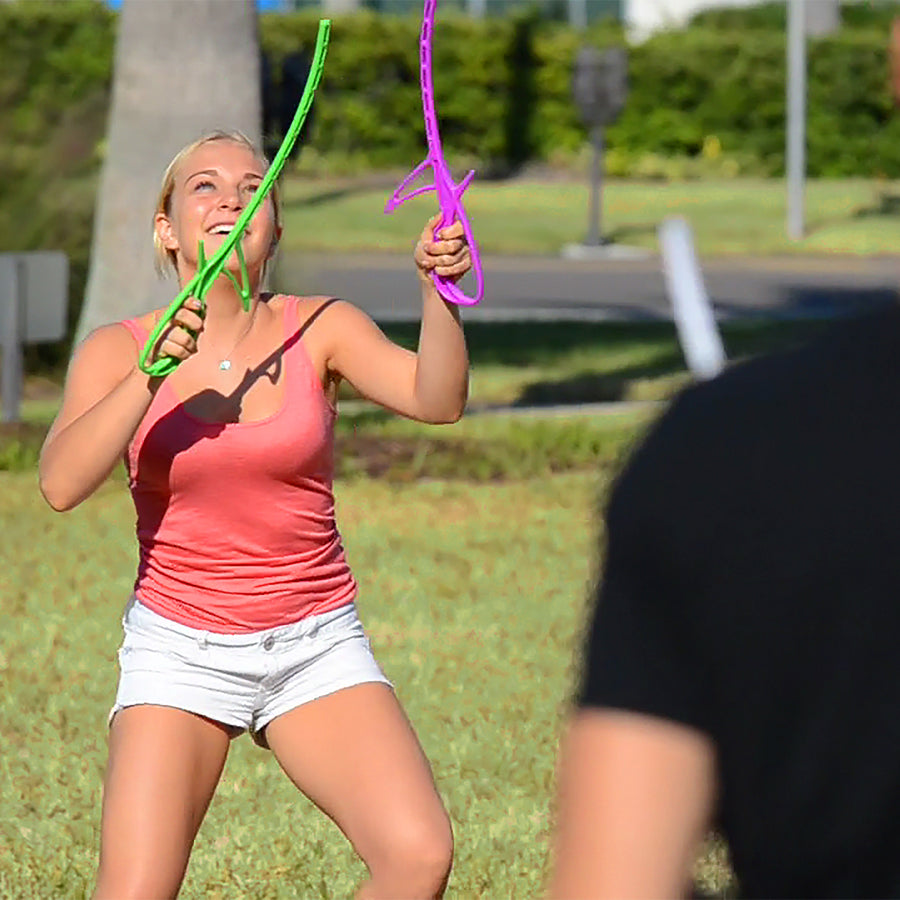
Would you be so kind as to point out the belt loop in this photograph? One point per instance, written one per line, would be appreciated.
(202, 640)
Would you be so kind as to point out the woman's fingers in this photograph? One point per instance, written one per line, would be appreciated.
(189, 317)
(178, 343)
(453, 230)
(180, 340)
(454, 270)
(446, 248)
(448, 261)
(445, 253)
(188, 320)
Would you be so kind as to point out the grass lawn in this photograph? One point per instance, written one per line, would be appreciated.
(539, 216)
(475, 621)
(515, 365)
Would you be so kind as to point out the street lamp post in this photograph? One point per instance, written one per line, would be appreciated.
(795, 163)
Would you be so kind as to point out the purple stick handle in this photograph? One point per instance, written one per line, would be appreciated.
(449, 193)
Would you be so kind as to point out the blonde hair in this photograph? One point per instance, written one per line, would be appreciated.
(165, 257)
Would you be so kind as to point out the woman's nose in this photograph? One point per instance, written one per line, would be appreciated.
(231, 199)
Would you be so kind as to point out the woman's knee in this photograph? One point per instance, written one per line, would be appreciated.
(417, 856)
(124, 882)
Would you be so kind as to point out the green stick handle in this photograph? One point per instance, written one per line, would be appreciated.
(209, 270)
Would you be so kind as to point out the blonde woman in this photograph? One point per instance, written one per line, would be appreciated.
(243, 614)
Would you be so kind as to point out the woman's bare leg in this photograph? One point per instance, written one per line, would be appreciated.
(355, 755)
(163, 768)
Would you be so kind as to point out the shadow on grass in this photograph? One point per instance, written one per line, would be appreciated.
(885, 204)
(556, 360)
(648, 350)
(596, 387)
(625, 233)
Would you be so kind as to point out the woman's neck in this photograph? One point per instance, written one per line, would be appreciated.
(224, 305)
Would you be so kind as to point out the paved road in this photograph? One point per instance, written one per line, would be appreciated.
(550, 288)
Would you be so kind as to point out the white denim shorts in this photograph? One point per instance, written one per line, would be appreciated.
(241, 680)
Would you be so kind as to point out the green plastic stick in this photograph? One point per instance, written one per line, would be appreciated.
(209, 270)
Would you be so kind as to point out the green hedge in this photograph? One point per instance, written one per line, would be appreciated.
(503, 92)
(731, 85)
(772, 15)
(55, 79)
(507, 98)
(709, 99)
(502, 87)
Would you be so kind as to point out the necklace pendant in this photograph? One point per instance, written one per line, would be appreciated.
(225, 365)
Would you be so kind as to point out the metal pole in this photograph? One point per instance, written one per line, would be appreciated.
(12, 318)
(796, 118)
(594, 238)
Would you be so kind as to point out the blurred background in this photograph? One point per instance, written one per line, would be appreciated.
(589, 123)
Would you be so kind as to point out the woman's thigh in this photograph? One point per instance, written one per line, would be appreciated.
(356, 756)
(163, 768)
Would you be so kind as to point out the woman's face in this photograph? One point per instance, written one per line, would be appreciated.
(213, 186)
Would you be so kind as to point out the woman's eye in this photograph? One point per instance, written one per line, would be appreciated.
(200, 185)
(252, 188)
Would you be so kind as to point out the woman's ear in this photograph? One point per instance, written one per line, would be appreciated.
(162, 225)
(275, 240)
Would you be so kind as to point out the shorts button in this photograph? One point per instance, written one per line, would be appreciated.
(269, 643)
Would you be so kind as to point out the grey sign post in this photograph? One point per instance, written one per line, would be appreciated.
(600, 86)
(33, 295)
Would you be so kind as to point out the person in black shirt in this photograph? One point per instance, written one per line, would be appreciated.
(742, 665)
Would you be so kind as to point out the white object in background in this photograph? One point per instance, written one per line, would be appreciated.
(33, 298)
(694, 318)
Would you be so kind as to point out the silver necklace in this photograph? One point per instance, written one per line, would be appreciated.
(225, 363)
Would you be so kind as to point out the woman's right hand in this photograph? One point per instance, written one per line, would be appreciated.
(179, 340)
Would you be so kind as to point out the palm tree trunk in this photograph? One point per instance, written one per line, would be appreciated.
(182, 68)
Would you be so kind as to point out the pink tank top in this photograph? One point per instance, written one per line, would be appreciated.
(235, 521)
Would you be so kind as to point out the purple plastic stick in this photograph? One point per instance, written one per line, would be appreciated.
(448, 192)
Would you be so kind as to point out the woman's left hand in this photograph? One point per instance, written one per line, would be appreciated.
(446, 253)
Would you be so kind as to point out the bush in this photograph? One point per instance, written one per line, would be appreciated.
(772, 16)
(20, 445)
(502, 87)
(55, 80)
(692, 85)
(704, 101)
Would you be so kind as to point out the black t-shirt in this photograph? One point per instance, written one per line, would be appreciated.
(751, 590)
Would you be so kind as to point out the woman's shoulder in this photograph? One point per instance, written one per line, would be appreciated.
(138, 326)
(303, 303)
(313, 308)
(111, 347)
(123, 338)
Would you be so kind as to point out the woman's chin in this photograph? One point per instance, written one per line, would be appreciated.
(254, 259)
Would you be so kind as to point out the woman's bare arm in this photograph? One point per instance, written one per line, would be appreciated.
(430, 385)
(635, 796)
(105, 397)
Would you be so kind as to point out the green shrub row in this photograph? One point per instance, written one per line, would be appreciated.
(503, 92)
(707, 100)
(710, 92)
(55, 79)
(772, 15)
